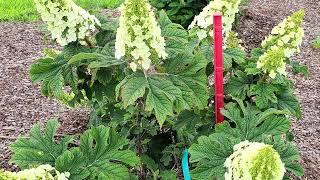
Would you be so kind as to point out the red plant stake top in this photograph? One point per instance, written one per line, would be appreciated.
(218, 66)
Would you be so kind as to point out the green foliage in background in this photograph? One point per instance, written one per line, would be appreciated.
(180, 11)
(24, 10)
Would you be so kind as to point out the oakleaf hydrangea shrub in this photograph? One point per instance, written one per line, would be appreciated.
(66, 21)
(43, 172)
(145, 79)
(252, 160)
(139, 36)
(261, 78)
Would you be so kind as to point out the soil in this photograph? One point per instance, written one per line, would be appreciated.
(22, 105)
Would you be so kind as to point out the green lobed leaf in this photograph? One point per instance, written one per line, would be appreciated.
(99, 156)
(78, 58)
(40, 148)
(161, 96)
(149, 163)
(54, 74)
(264, 94)
(182, 87)
(95, 60)
(44, 68)
(166, 175)
(210, 154)
(186, 71)
(233, 55)
(288, 101)
(253, 125)
(244, 122)
(74, 162)
(289, 154)
(298, 68)
(239, 85)
(175, 35)
(132, 88)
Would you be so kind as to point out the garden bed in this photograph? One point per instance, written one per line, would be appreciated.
(22, 105)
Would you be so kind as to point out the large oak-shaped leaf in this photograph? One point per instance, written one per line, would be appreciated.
(99, 156)
(40, 148)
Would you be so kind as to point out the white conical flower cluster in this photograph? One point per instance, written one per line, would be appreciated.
(283, 42)
(43, 172)
(139, 37)
(228, 8)
(288, 35)
(66, 21)
(255, 161)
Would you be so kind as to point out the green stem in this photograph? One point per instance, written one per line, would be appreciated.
(141, 174)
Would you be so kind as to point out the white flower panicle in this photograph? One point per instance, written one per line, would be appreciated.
(288, 35)
(43, 172)
(254, 161)
(283, 42)
(66, 21)
(204, 21)
(139, 36)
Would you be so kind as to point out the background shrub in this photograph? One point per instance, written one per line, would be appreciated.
(181, 11)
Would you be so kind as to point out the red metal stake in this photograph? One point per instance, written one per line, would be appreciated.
(218, 66)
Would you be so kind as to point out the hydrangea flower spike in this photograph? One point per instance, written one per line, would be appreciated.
(66, 21)
(139, 37)
(228, 8)
(283, 42)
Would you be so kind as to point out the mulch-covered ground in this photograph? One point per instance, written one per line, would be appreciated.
(22, 105)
